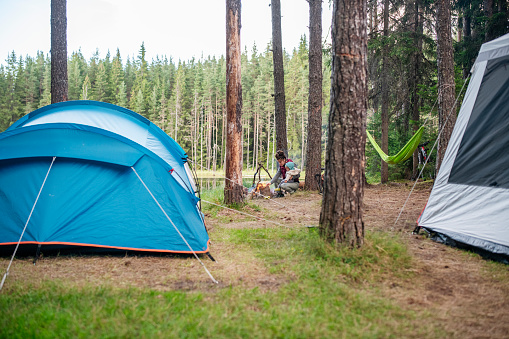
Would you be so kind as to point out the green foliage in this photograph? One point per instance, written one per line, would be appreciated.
(478, 24)
(185, 99)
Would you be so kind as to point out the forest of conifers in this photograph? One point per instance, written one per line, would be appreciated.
(187, 98)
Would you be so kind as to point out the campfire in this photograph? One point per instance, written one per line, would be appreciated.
(261, 190)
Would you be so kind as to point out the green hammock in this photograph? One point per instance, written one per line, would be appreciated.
(405, 153)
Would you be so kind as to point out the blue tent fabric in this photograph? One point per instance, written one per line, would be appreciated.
(117, 120)
(92, 197)
(70, 141)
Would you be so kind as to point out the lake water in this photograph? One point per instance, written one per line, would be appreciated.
(210, 183)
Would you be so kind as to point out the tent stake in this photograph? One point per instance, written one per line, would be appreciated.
(37, 253)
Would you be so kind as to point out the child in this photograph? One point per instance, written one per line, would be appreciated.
(281, 172)
(291, 182)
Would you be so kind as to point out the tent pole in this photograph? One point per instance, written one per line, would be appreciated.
(167, 217)
(26, 224)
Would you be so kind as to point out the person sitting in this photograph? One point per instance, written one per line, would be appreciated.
(291, 182)
(281, 172)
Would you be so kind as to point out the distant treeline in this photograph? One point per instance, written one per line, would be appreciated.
(186, 98)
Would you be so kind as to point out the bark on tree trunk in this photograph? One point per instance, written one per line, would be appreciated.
(341, 215)
(233, 190)
(314, 142)
(215, 142)
(279, 78)
(417, 79)
(58, 51)
(467, 32)
(446, 86)
(209, 134)
(384, 168)
(488, 12)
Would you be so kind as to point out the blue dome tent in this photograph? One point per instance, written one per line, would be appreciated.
(95, 175)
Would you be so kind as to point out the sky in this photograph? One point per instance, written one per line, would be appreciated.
(180, 29)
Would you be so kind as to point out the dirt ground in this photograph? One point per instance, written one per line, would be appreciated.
(458, 288)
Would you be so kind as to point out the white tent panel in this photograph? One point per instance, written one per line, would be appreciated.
(475, 213)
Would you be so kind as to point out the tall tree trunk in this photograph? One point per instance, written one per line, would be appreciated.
(279, 78)
(418, 27)
(446, 86)
(209, 134)
(488, 13)
(58, 51)
(223, 138)
(248, 142)
(177, 110)
(303, 134)
(269, 115)
(214, 168)
(384, 168)
(233, 190)
(467, 32)
(256, 134)
(314, 143)
(202, 123)
(195, 128)
(342, 211)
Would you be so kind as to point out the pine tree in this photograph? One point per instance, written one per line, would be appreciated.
(121, 97)
(30, 92)
(446, 95)
(176, 102)
(279, 79)
(86, 89)
(314, 151)
(77, 70)
(341, 218)
(101, 84)
(93, 68)
(59, 78)
(4, 112)
(129, 77)
(12, 100)
(41, 67)
(384, 172)
(140, 92)
(116, 81)
(233, 191)
(46, 84)
(153, 107)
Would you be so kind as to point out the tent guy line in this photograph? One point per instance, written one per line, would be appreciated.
(250, 215)
(432, 148)
(175, 227)
(26, 224)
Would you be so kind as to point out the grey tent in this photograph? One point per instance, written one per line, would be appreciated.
(469, 203)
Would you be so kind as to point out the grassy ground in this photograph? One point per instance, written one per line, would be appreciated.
(321, 293)
(275, 282)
